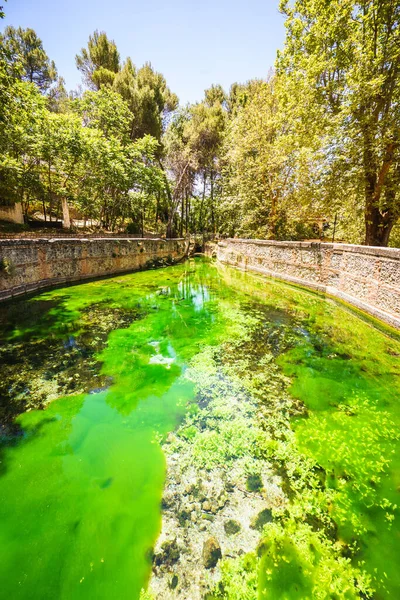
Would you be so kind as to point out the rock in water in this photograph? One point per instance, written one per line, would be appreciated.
(264, 517)
(211, 553)
(169, 554)
(231, 527)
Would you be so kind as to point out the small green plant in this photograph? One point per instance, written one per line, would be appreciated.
(6, 267)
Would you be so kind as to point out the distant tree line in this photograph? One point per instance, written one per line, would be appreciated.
(318, 140)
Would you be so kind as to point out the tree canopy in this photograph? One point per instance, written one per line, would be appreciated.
(99, 62)
(340, 67)
(28, 57)
(313, 145)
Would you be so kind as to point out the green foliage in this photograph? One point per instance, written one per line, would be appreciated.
(58, 98)
(320, 138)
(239, 578)
(259, 196)
(93, 153)
(339, 72)
(22, 115)
(193, 145)
(148, 97)
(79, 151)
(98, 62)
(28, 57)
(316, 141)
(106, 111)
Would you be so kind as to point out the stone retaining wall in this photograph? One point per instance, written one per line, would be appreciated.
(366, 277)
(27, 265)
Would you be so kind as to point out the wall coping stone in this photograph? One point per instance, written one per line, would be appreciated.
(52, 240)
(372, 250)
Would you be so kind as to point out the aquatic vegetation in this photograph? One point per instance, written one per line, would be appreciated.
(220, 438)
(239, 578)
(209, 404)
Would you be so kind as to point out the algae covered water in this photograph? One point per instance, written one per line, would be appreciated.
(197, 432)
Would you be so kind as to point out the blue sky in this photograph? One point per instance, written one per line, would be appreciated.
(194, 44)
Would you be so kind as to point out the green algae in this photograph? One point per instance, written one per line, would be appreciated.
(350, 379)
(81, 486)
(347, 375)
(247, 372)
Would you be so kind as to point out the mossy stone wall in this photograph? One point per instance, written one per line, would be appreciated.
(364, 276)
(30, 264)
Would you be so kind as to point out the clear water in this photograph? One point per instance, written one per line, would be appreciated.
(93, 380)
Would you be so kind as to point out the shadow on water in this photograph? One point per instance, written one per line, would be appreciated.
(54, 353)
(32, 318)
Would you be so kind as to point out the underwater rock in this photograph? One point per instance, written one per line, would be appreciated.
(231, 527)
(254, 483)
(211, 553)
(183, 517)
(263, 517)
(168, 499)
(173, 582)
(169, 554)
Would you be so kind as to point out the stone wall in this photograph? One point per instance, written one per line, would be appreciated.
(364, 276)
(31, 264)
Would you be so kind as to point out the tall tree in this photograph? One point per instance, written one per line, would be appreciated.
(106, 111)
(28, 56)
(148, 96)
(22, 113)
(253, 164)
(58, 98)
(205, 133)
(99, 62)
(181, 164)
(341, 67)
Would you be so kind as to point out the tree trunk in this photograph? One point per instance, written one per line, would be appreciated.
(187, 212)
(157, 210)
(212, 201)
(272, 217)
(378, 225)
(170, 226)
(171, 201)
(201, 228)
(65, 211)
(378, 221)
(182, 213)
(50, 192)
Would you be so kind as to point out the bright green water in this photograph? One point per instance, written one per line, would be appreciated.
(81, 481)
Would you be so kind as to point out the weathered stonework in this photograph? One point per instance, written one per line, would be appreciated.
(364, 276)
(27, 265)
